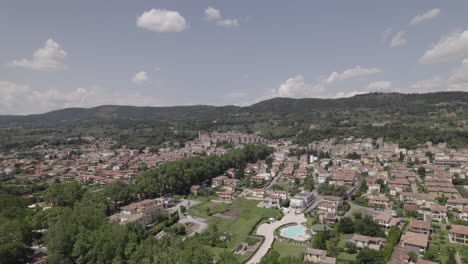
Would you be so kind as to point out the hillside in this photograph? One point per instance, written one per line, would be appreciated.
(442, 116)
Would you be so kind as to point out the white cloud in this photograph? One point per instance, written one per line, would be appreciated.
(228, 22)
(140, 78)
(386, 34)
(426, 16)
(399, 39)
(22, 99)
(379, 86)
(212, 13)
(297, 87)
(162, 20)
(50, 58)
(455, 80)
(355, 72)
(454, 46)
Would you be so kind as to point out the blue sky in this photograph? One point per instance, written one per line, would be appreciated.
(58, 54)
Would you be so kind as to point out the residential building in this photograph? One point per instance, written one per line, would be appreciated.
(459, 234)
(218, 181)
(361, 242)
(438, 212)
(318, 256)
(418, 226)
(227, 195)
(416, 242)
(385, 220)
(140, 212)
(302, 201)
(258, 193)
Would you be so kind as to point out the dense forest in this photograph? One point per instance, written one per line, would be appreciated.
(408, 119)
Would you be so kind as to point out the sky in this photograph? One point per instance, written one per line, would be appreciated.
(57, 53)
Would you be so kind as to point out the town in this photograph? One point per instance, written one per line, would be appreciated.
(347, 200)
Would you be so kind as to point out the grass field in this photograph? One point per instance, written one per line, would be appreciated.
(239, 219)
(286, 249)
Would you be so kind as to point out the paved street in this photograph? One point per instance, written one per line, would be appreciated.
(268, 231)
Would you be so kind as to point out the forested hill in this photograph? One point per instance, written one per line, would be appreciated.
(276, 106)
(443, 116)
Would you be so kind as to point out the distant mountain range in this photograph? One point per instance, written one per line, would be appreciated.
(276, 106)
(442, 116)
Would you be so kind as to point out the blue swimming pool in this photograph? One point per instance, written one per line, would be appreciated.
(294, 232)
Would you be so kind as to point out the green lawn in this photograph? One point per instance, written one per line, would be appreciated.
(286, 249)
(242, 223)
(207, 208)
(441, 244)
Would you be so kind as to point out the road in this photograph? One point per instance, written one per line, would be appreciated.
(268, 231)
(275, 179)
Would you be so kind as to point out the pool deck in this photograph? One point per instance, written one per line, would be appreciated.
(268, 231)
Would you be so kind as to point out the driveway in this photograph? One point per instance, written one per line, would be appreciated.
(268, 231)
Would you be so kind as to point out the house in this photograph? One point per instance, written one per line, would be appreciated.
(457, 203)
(227, 195)
(416, 242)
(420, 199)
(459, 234)
(273, 201)
(400, 255)
(373, 188)
(438, 212)
(361, 242)
(418, 226)
(260, 180)
(318, 256)
(335, 200)
(325, 207)
(140, 212)
(463, 215)
(195, 189)
(232, 182)
(407, 208)
(258, 193)
(385, 220)
(302, 201)
(322, 174)
(283, 194)
(301, 172)
(328, 218)
(380, 201)
(218, 181)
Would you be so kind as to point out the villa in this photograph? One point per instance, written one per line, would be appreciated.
(385, 220)
(361, 242)
(140, 212)
(318, 256)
